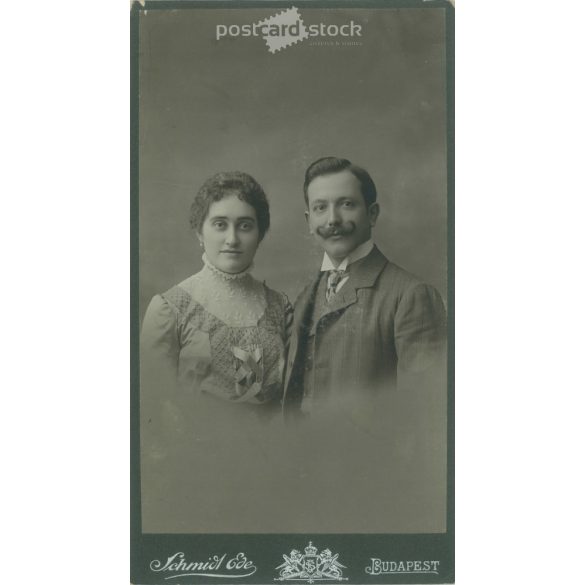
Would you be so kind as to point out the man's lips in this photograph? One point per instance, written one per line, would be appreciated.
(231, 252)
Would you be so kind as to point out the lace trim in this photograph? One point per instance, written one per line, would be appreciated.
(226, 275)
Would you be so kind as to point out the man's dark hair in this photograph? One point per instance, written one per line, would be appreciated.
(230, 183)
(330, 165)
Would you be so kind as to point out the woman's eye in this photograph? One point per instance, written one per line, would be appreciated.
(219, 225)
(246, 226)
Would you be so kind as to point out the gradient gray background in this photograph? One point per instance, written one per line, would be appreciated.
(209, 106)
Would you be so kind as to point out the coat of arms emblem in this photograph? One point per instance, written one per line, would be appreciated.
(311, 566)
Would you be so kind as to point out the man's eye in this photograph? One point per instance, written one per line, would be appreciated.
(319, 207)
(348, 204)
(246, 226)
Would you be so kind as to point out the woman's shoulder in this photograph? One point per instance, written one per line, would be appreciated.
(180, 296)
(274, 296)
(279, 309)
(159, 319)
(278, 303)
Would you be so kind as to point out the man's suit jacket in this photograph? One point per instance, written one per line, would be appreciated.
(383, 319)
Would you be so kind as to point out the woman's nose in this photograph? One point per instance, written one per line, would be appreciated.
(231, 238)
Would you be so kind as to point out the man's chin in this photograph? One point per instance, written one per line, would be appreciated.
(337, 250)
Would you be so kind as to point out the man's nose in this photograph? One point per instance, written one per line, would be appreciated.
(332, 216)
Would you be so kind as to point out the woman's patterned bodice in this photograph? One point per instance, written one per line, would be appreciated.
(238, 363)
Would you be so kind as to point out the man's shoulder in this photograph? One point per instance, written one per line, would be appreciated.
(403, 288)
(400, 277)
(387, 274)
(396, 283)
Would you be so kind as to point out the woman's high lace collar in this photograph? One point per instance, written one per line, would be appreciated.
(226, 275)
(239, 300)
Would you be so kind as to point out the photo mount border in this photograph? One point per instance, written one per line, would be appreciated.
(266, 549)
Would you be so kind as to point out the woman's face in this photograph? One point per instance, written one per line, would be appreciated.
(230, 234)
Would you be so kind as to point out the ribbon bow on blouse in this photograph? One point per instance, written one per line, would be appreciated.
(249, 374)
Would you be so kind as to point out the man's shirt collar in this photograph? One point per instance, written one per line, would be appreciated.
(360, 252)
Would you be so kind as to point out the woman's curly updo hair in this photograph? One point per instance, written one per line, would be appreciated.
(230, 183)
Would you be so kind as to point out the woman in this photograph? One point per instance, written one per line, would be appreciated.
(220, 334)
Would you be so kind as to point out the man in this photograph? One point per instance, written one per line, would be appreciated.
(363, 321)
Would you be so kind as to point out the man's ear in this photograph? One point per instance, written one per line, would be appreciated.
(307, 220)
(373, 213)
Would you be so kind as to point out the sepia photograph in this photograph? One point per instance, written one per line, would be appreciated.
(268, 333)
(292, 219)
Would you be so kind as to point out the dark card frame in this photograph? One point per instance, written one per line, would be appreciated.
(266, 550)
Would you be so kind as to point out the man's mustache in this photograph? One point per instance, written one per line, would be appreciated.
(340, 230)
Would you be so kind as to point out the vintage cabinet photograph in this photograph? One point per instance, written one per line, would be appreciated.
(292, 292)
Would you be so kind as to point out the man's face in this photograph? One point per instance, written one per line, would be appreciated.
(337, 214)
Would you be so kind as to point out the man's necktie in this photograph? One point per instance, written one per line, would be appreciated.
(335, 277)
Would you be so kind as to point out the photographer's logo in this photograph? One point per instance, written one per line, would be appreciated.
(311, 566)
(220, 566)
(287, 28)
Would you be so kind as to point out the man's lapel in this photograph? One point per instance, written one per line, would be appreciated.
(362, 274)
